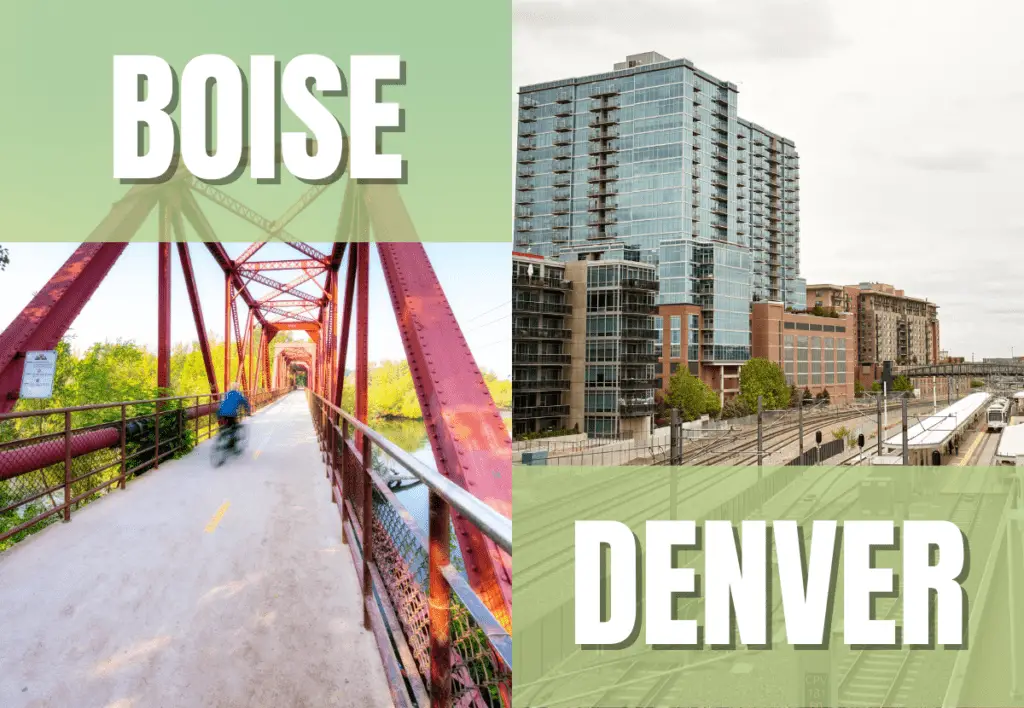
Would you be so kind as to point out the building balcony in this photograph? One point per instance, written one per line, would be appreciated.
(521, 386)
(637, 333)
(607, 133)
(602, 219)
(551, 308)
(638, 357)
(635, 409)
(562, 179)
(600, 105)
(563, 125)
(533, 412)
(561, 195)
(527, 143)
(563, 110)
(602, 189)
(561, 167)
(563, 153)
(546, 283)
(564, 97)
(527, 115)
(602, 204)
(604, 119)
(599, 162)
(527, 130)
(609, 175)
(524, 211)
(597, 233)
(636, 384)
(562, 139)
(524, 197)
(560, 209)
(526, 158)
(637, 284)
(541, 333)
(604, 148)
(535, 359)
(525, 171)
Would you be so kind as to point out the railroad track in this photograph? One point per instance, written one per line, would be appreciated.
(644, 683)
(873, 678)
(741, 454)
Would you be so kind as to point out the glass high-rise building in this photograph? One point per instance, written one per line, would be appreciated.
(653, 156)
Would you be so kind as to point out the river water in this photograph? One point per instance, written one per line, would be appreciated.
(411, 436)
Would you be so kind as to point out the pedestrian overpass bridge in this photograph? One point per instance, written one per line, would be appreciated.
(245, 585)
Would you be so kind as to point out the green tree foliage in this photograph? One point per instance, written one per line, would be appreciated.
(876, 387)
(794, 396)
(691, 396)
(5, 258)
(977, 383)
(735, 408)
(760, 377)
(858, 389)
(392, 394)
(902, 383)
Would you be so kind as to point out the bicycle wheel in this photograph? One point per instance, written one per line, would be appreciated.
(219, 453)
(241, 437)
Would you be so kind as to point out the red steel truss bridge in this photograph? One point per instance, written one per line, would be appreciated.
(141, 599)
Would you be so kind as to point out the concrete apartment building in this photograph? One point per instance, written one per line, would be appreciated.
(891, 326)
(652, 156)
(541, 337)
(583, 344)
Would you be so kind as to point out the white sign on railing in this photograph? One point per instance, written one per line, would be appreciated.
(37, 378)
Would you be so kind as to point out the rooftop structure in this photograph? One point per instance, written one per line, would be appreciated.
(936, 430)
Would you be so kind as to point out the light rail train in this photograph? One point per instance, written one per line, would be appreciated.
(998, 414)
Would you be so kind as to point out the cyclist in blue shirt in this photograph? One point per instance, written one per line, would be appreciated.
(228, 411)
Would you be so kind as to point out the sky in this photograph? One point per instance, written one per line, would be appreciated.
(903, 114)
(476, 278)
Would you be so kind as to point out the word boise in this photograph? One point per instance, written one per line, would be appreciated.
(745, 583)
(132, 110)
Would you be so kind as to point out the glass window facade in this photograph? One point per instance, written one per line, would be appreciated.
(655, 158)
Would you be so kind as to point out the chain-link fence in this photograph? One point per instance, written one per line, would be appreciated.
(53, 462)
(400, 570)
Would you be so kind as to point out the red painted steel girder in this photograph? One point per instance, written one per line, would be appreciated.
(286, 303)
(297, 317)
(294, 283)
(259, 266)
(250, 215)
(282, 287)
(49, 314)
(197, 314)
(471, 444)
(249, 252)
(20, 460)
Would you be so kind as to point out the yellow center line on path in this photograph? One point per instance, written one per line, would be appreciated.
(218, 515)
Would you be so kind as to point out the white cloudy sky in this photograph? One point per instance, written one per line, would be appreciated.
(905, 115)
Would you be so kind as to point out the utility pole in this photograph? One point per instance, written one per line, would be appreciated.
(760, 439)
(881, 429)
(800, 417)
(885, 406)
(906, 443)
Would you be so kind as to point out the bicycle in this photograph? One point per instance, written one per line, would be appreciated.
(230, 441)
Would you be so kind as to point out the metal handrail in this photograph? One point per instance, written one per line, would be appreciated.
(495, 526)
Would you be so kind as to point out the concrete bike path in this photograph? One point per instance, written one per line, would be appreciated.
(195, 587)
